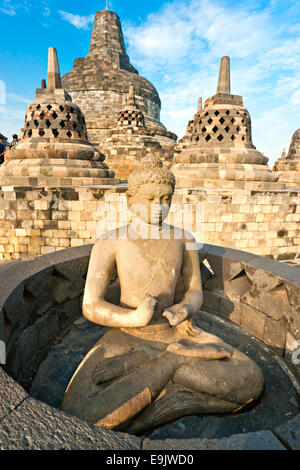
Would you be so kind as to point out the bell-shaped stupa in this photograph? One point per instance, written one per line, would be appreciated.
(130, 140)
(99, 83)
(53, 149)
(217, 149)
(288, 166)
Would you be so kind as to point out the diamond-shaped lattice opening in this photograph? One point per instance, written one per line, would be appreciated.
(203, 129)
(227, 129)
(42, 115)
(30, 133)
(48, 123)
(32, 114)
(238, 129)
(62, 124)
(27, 124)
(216, 113)
(220, 137)
(55, 132)
(71, 110)
(206, 114)
(232, 137)
(227, 112)
(243, 120)
(54, 115)
(246, 130)
(221, 120)
(69, 134)
(241, 283)
(232, 120)
(210, 121)
(41, 132)
(74, 125)
(49, 107)
(200, 122)
(237, 112)
(197, 138)
(68, 116)
(208, 266)
(214, 129)
(243, 138)
(61, 108)
(38, 106)
(36, 123)
(207, 138)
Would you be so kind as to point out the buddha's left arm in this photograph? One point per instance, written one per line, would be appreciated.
(193, 298)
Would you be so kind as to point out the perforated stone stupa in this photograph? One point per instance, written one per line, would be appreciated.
(99, 83)
(217, 149)
(130, 140)
(53, 148)
(288, 166)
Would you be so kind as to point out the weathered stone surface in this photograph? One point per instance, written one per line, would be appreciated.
(12, 394)
(261, 440)
(36, 426)
(289, 433)
(99, 83)
(288, 166)
(217, 149)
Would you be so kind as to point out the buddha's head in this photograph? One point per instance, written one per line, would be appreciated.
(150, 190)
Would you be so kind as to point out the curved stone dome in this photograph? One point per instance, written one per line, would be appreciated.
(99, 82)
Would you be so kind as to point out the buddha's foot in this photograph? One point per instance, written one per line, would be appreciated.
(174, 402)
(118, 366)
(202, 351)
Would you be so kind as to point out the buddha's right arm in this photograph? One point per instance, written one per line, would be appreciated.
(95, 308)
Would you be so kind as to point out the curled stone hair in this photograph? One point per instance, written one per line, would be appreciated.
(151, 171)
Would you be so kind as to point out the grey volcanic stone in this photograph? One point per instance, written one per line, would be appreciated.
(36, 426)
(12, 394)
(289, 433)
(261, 440)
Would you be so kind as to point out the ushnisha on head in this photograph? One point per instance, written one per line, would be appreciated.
(150, 190)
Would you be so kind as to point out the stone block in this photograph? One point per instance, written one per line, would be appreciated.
(260, 440)
(47, 328)
(274, 334)
(253, 321)
(289, 433)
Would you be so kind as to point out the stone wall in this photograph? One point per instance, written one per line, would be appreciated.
(36, 221)
(266, 223)
(41, 298)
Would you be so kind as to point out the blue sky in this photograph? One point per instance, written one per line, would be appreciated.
(175, 44)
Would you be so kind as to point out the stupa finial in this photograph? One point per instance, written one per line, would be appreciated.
(131, 97)
(224, 76)
(53, 78)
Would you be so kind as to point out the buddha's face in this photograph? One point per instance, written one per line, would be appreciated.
(152, 202)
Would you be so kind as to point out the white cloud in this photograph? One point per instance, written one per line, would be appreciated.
(179, 49)
(80, 22)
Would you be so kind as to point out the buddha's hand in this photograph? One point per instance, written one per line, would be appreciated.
(145, 310)
(176, 314)
(204, 351)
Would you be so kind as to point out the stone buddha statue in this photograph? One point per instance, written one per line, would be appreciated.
(154, 364)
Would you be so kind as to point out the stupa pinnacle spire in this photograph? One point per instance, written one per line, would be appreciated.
(224, 76)
(53, 78)
(131, 97)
